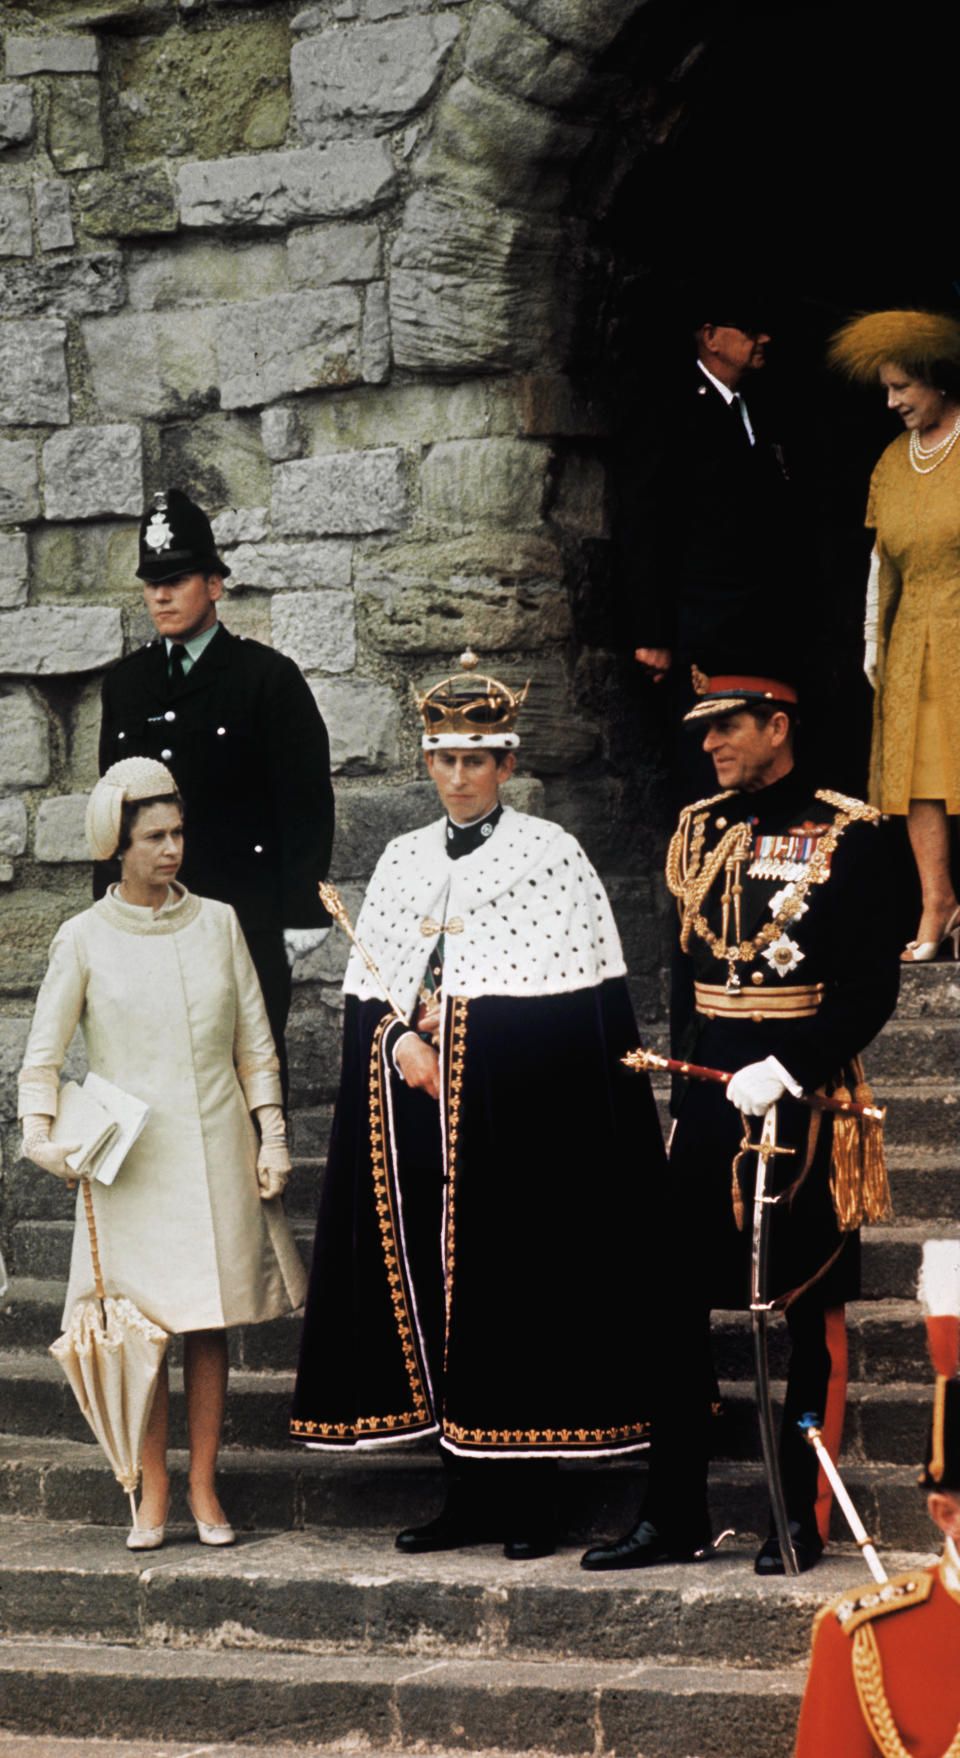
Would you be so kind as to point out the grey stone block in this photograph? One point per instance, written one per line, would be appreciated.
(16, 225)
(345, 492)
(66, 54)
(282, 433)
(376, 334)
(58, 835)
(160, 363)
(74, 134)
(19, 481)
(368, 72)
(83, 737)
(590, 27)
(54, 221)
(506, 150)
(51, 639)
(33, 373)
(24, 741)
(473, 287)
(14, 570)
(479, 482)
(294, 342)
(128, 204)
(63, 286)
(282, 189)
(13, 825)
(66, 558)
(240, 525)
(502, 52)
(199, 271)
(278, 567)
(325, 255)
(17, 120)
(369, 817)
(317, 629)
(414, 613)
(363, 719)
(94, 470)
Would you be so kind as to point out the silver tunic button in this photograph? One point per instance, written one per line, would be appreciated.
(170, 715)
(165, 755)
(121, 735)
(220, 731)
(258, 848)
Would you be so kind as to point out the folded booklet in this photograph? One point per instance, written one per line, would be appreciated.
(105, 1122)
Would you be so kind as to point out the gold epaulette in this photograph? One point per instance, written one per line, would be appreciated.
(866, 1603)
(712, 800)
(854, 808)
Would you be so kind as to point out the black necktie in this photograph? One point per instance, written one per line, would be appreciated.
(178, 654)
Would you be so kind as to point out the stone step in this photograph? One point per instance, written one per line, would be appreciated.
(929, 989)
(350, 1592)
(914, 1049)
(398, 1703)
(46, 1477)
(924, 1182)
(886, 1422)
(886, 1337)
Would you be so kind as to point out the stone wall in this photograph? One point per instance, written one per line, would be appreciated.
(330, 269)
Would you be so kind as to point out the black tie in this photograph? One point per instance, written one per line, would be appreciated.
(178, 654)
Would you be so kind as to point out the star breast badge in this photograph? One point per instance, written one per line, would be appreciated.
(784, 955)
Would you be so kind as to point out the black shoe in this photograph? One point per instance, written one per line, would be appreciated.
(807, 1548)
(447, 1532)
(535, 1544)
(645, 1546)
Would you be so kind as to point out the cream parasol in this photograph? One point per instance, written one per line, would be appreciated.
(111, 1354)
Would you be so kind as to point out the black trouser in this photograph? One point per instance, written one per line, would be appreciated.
(270, 962)
(676, 1499)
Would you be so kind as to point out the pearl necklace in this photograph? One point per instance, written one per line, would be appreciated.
(938, 453)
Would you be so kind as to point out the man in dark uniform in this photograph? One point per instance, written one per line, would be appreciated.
(708, 516)
(237, 725)
(884, 1679)
(787, 966)
(491, 1165)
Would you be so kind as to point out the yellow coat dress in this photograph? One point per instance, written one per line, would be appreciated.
(915, 752)
(170, 1009)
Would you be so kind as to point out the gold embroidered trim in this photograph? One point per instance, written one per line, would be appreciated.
(456, 1055)
(546, 1437)
(690, 885)
(871, 1691)
(374, 1426)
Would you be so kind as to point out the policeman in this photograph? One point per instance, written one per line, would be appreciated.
(786, 968)
(239, 728)
(883, 1675)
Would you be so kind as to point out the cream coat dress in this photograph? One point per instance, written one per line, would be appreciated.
(170, 1009)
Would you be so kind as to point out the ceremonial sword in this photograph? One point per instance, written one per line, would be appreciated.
(760, 1307)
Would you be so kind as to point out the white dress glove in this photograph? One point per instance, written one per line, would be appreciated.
(759, 1085)
(298, 942)
(273, 1160)
(871, 621)
(37, 1146)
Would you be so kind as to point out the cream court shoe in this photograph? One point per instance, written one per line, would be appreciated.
(925, 951)
(208, 1534)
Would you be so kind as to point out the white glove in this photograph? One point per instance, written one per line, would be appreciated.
(273, 1170)
(297, 942)
(759, 1085)
(871, 620)
(273, 1160)
(37, 1146)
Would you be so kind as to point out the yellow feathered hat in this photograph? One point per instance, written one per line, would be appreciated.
(917, 341)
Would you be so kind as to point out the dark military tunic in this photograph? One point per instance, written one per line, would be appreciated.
(788, 947)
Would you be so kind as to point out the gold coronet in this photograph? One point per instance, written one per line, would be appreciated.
(478, 707)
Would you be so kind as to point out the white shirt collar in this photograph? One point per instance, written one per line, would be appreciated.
(724, 390)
